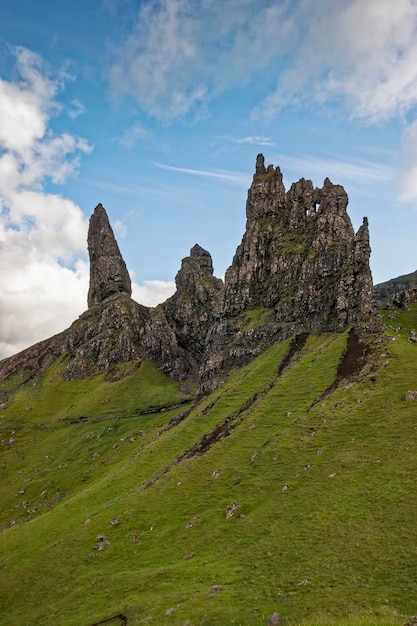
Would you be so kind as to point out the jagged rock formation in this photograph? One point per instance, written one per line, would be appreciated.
(108, 272)
(175, 337)
(106, 334)
(299, 255)
(300, 267)
(386, 293)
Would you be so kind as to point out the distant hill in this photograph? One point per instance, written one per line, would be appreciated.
(384, 292)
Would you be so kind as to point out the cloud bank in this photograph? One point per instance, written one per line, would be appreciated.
(43, 270)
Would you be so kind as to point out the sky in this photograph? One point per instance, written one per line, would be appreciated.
(158, 108)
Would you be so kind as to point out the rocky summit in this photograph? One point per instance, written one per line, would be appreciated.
(299, 268)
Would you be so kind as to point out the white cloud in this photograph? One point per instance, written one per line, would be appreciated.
(181, 53)
(340, 168)
(409, 163)
(152, 292)
(120, 228)
(76, 108)
(228, 176)
(252, 140)
(43, 273)
(361, 54)
(133, 135)
(41, 299)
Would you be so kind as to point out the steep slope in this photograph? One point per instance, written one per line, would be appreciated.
(279, 492)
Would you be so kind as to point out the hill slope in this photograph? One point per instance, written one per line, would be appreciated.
(290, 489)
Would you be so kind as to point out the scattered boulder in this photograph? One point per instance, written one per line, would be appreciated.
(231, 509)
(275, 620)
(410, 396)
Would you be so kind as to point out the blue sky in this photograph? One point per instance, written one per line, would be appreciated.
(157, 109)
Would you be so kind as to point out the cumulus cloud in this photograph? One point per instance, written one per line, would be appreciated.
(43, 271)
(75, 109)
(152, 292)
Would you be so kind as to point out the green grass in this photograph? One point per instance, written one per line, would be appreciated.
(324, 526)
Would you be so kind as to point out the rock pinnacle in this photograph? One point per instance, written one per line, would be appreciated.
(108, 272)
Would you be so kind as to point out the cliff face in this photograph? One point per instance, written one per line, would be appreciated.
(300, 255)
(300, 266)
(175, 337)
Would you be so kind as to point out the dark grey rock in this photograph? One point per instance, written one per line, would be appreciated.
(300, 266)
(108, 272)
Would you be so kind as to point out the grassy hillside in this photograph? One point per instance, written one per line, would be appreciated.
(280, 492)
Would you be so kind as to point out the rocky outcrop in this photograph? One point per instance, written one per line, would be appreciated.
(300, 266)
(175, 337)
(108, 272)
(106, 334)
(300, 255)
(403, 298)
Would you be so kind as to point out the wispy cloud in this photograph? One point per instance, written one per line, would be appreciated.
(228, 176)
(179, 55)
(133, 135)
(253, 140)
(357, 54)
(75, 109)
(339, 168)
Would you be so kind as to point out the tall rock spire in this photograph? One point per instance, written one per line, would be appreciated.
(108, 272)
